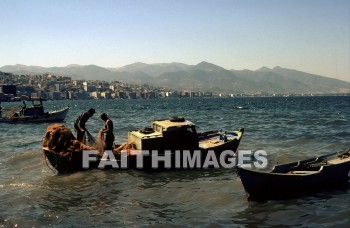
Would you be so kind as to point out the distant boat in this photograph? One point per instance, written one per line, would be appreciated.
(36, 114)
(297, 178)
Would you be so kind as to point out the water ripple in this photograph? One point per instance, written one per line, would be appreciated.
(289, 129)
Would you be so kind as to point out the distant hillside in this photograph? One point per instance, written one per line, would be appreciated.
(153, 70)
(22, 68)
(219, 80)
(316, 82)
(202, 77)
(271, 82)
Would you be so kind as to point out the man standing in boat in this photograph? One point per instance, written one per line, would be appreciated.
(108, 131)
(80, 122)
(21, 113)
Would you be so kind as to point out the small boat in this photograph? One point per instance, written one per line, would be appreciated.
(36, 114)
(175, 137)
(297, 178)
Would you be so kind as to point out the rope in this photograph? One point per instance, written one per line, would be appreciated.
(53, 168)
(91, 139)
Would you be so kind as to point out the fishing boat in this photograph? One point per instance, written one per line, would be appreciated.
(175, 138)
(297, 178)
(35, 114)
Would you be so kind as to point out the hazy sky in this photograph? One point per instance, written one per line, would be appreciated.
(307, 35)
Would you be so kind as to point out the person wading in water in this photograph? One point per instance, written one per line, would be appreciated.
(108, 139)
(79, 124)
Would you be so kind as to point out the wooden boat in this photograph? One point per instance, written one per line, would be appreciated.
(36, 114)
(297, 178)
(176, 137)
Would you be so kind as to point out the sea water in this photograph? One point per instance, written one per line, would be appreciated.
(287, 128)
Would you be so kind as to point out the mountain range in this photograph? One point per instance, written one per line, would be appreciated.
(201, 77)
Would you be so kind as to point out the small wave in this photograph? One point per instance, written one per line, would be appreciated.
(291, 122)
(337, 122)
(21, 185)
(25, 156)
(241, 107)
(304, 140)
(16, 185)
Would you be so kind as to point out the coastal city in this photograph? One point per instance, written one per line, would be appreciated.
(15, 87)
(53, 87)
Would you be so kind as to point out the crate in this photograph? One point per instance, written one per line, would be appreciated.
(151, 141)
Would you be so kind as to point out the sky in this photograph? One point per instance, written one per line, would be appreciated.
(311, 36)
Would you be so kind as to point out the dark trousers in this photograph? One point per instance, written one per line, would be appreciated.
(80, 134)
(109, 140)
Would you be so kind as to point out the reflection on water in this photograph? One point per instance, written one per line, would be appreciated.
(288, 129)
(326, 208)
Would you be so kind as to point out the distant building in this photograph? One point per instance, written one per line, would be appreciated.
(8, 89)
(54, 95)
(164, 94)
(184, 94)
(174, 94)
(58, 87)
(53, 88)
(89, 88)
(138, 94)
(70, 95)
(64, 95)
(52, 78)
(152, 94)
(194, 94)
(132, 95)
(112, 87)
(81, 96)
(42, 94)
(34, 95)
(85, 84)
(106, 95)
(207, 94)
(121, 95)
(95, 95)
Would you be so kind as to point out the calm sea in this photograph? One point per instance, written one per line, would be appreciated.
(288, 129)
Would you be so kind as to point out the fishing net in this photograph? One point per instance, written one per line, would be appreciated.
(62, 149)
(344, 154)
(59, 138)
(91, 141)
(99, 142)
(128, 147)
(65, 152)
(11, 112)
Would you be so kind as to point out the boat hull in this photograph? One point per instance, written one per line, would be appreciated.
(278, 185)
